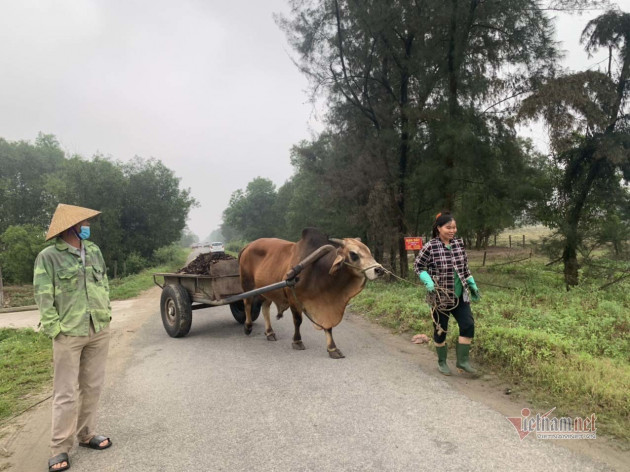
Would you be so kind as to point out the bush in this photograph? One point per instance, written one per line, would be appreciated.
(236, 246)
(19, 246)
(166, 254)
(135, 263)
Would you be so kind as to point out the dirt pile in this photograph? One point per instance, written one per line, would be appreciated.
(202, 264)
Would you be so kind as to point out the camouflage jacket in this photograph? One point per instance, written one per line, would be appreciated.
(69, 293)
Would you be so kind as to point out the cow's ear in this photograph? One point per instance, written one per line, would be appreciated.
(336, 265)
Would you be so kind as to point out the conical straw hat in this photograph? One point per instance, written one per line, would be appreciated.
(66, 216)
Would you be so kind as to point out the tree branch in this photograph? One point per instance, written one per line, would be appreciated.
(506, 99)
(367, 112)
(619, 279)
(489, 27)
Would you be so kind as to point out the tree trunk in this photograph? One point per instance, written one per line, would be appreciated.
(571, 266)
(453, 106)
(458, 40)
(400, 202)
(569, 254)
(392, 256)
(1, 290)
(621, 86)
(403, 156)
(378, 251)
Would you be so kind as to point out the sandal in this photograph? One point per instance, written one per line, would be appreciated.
(95, 443)
(58, 459)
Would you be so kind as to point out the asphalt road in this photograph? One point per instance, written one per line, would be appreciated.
(218, 400)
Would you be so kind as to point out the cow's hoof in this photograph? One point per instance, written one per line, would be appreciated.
(248, 329)
(335, 353)
(299, 346)
(271, 336)
(279, 316)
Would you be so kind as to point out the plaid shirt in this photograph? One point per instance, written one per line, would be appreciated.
(441, 263)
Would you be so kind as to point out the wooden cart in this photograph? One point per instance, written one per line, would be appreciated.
(183, 293)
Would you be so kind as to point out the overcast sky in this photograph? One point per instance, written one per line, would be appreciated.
(206, 86)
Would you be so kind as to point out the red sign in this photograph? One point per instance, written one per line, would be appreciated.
(413, 244)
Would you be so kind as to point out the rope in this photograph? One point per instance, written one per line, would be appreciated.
(363, 271)
(440, 301)
(495, 285)
(302, 308)
(399, 278)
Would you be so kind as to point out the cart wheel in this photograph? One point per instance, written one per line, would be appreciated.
(238, 311)
(176, 310)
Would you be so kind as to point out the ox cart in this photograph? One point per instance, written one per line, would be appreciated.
(183, 293)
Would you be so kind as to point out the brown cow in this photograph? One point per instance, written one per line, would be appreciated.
(323, 288)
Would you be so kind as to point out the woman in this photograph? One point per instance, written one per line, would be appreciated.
(442, 266)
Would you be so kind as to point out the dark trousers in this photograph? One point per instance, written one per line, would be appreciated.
(462, 314)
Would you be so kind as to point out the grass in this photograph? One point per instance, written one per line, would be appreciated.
(131, 286)
(121, 288)
(26, 356)
(531, 232)
(565, 349)
(18, 295)
(25, 369)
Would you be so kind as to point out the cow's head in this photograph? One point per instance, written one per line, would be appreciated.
(356, 256)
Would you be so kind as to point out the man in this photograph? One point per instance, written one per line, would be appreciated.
(72, 293)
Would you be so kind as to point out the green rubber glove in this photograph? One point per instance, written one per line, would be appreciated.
(427, 281)
(475, 294)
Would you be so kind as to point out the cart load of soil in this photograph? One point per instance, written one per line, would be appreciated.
(209, 264)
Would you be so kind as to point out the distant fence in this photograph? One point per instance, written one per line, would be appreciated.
(503, 249)
(515, 240)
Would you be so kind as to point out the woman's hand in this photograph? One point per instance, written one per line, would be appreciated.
(475, 294)
(427, 281)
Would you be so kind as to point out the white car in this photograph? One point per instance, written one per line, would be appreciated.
(217, 247)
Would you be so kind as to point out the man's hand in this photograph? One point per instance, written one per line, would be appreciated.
(427, 281)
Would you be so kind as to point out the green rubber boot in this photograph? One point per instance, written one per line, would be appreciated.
(463, 362)
(442, 365)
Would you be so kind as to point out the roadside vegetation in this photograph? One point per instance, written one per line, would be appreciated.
(170, 260)
(18, 295)
(144, 213)
(25, 369)
(166, 259)
(568, 349)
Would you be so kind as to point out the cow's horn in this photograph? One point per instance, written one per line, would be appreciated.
(341, 242)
